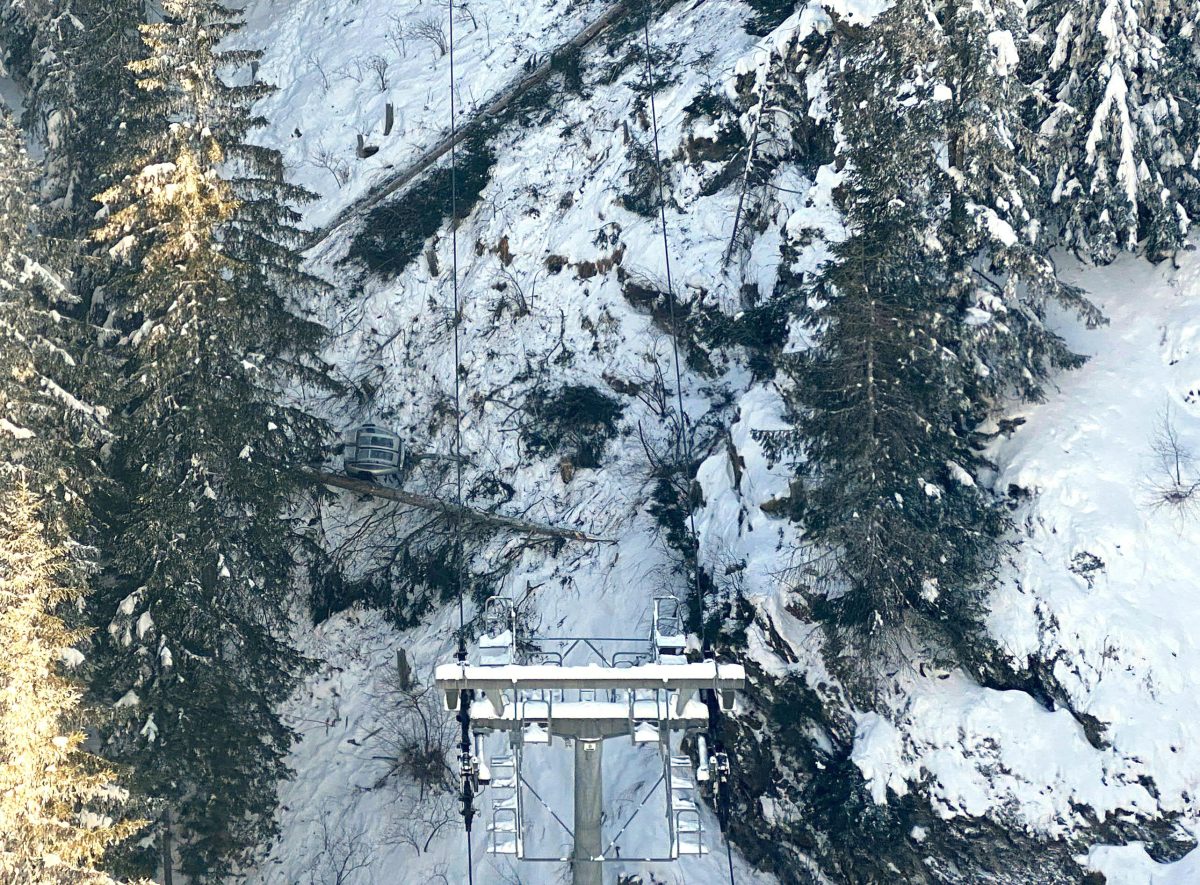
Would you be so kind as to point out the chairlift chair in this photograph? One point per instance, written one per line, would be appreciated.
(644, 715)
(373, 452)
(536, 709)
(498, 642)
(668, 635)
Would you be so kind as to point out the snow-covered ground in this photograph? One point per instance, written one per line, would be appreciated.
(338, 64)
(1130, 865)
(1105, 583)
(1102, 587)
(1101, 584)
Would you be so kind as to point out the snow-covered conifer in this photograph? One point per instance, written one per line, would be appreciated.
(48, 427)
(898, 532)
(885, 400)
(955, 68)
(1117, 84)
(76, 84)
(202, 233)
(1001, 277)
(59, 805)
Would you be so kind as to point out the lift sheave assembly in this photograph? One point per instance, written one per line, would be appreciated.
(585, 691)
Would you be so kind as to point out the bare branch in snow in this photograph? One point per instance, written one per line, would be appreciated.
(1173, 481)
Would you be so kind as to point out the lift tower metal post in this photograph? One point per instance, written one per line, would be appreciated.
(589, 811)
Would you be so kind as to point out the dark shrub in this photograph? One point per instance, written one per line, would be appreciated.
(396, 232)
(575, 421)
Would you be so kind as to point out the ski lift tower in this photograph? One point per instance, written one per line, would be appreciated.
(534, 693)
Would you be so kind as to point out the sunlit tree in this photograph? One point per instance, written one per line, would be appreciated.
(59, 805)
(206, 291)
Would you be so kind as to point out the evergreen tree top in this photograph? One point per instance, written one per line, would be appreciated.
(1117, 86)
(206, 291)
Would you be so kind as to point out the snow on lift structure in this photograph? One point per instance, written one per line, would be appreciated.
(373, 452)
(535, 691)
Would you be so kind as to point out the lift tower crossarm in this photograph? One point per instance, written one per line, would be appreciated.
(686, 679)
(519, 699)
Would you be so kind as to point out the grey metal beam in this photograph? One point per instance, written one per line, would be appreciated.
(684, 678)
(587, 865)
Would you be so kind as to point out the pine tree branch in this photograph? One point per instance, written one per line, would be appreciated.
(426, 502)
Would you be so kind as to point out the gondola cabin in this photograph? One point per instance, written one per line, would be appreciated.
(373, 452)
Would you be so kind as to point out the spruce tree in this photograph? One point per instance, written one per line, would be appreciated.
(77, 83)
(204, 235)
(1002, 279)
(57, 802)
(906, 360)
(898, 534)
(954, 66)
(1117, 84)
(48, 427)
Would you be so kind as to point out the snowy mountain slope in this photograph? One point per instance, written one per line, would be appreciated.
(1117, 629)
(1116, 634)
(555, 190)
(338, 64)
(1104, 583)
(1099, 592)
(1105, 579)
(1130, 865)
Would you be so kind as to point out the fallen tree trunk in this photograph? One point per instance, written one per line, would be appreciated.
(426, 502)
(489, 111)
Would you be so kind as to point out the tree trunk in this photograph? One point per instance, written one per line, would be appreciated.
(426, 502)
(167, 850)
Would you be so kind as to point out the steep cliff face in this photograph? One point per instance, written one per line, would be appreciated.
(1079, 730)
